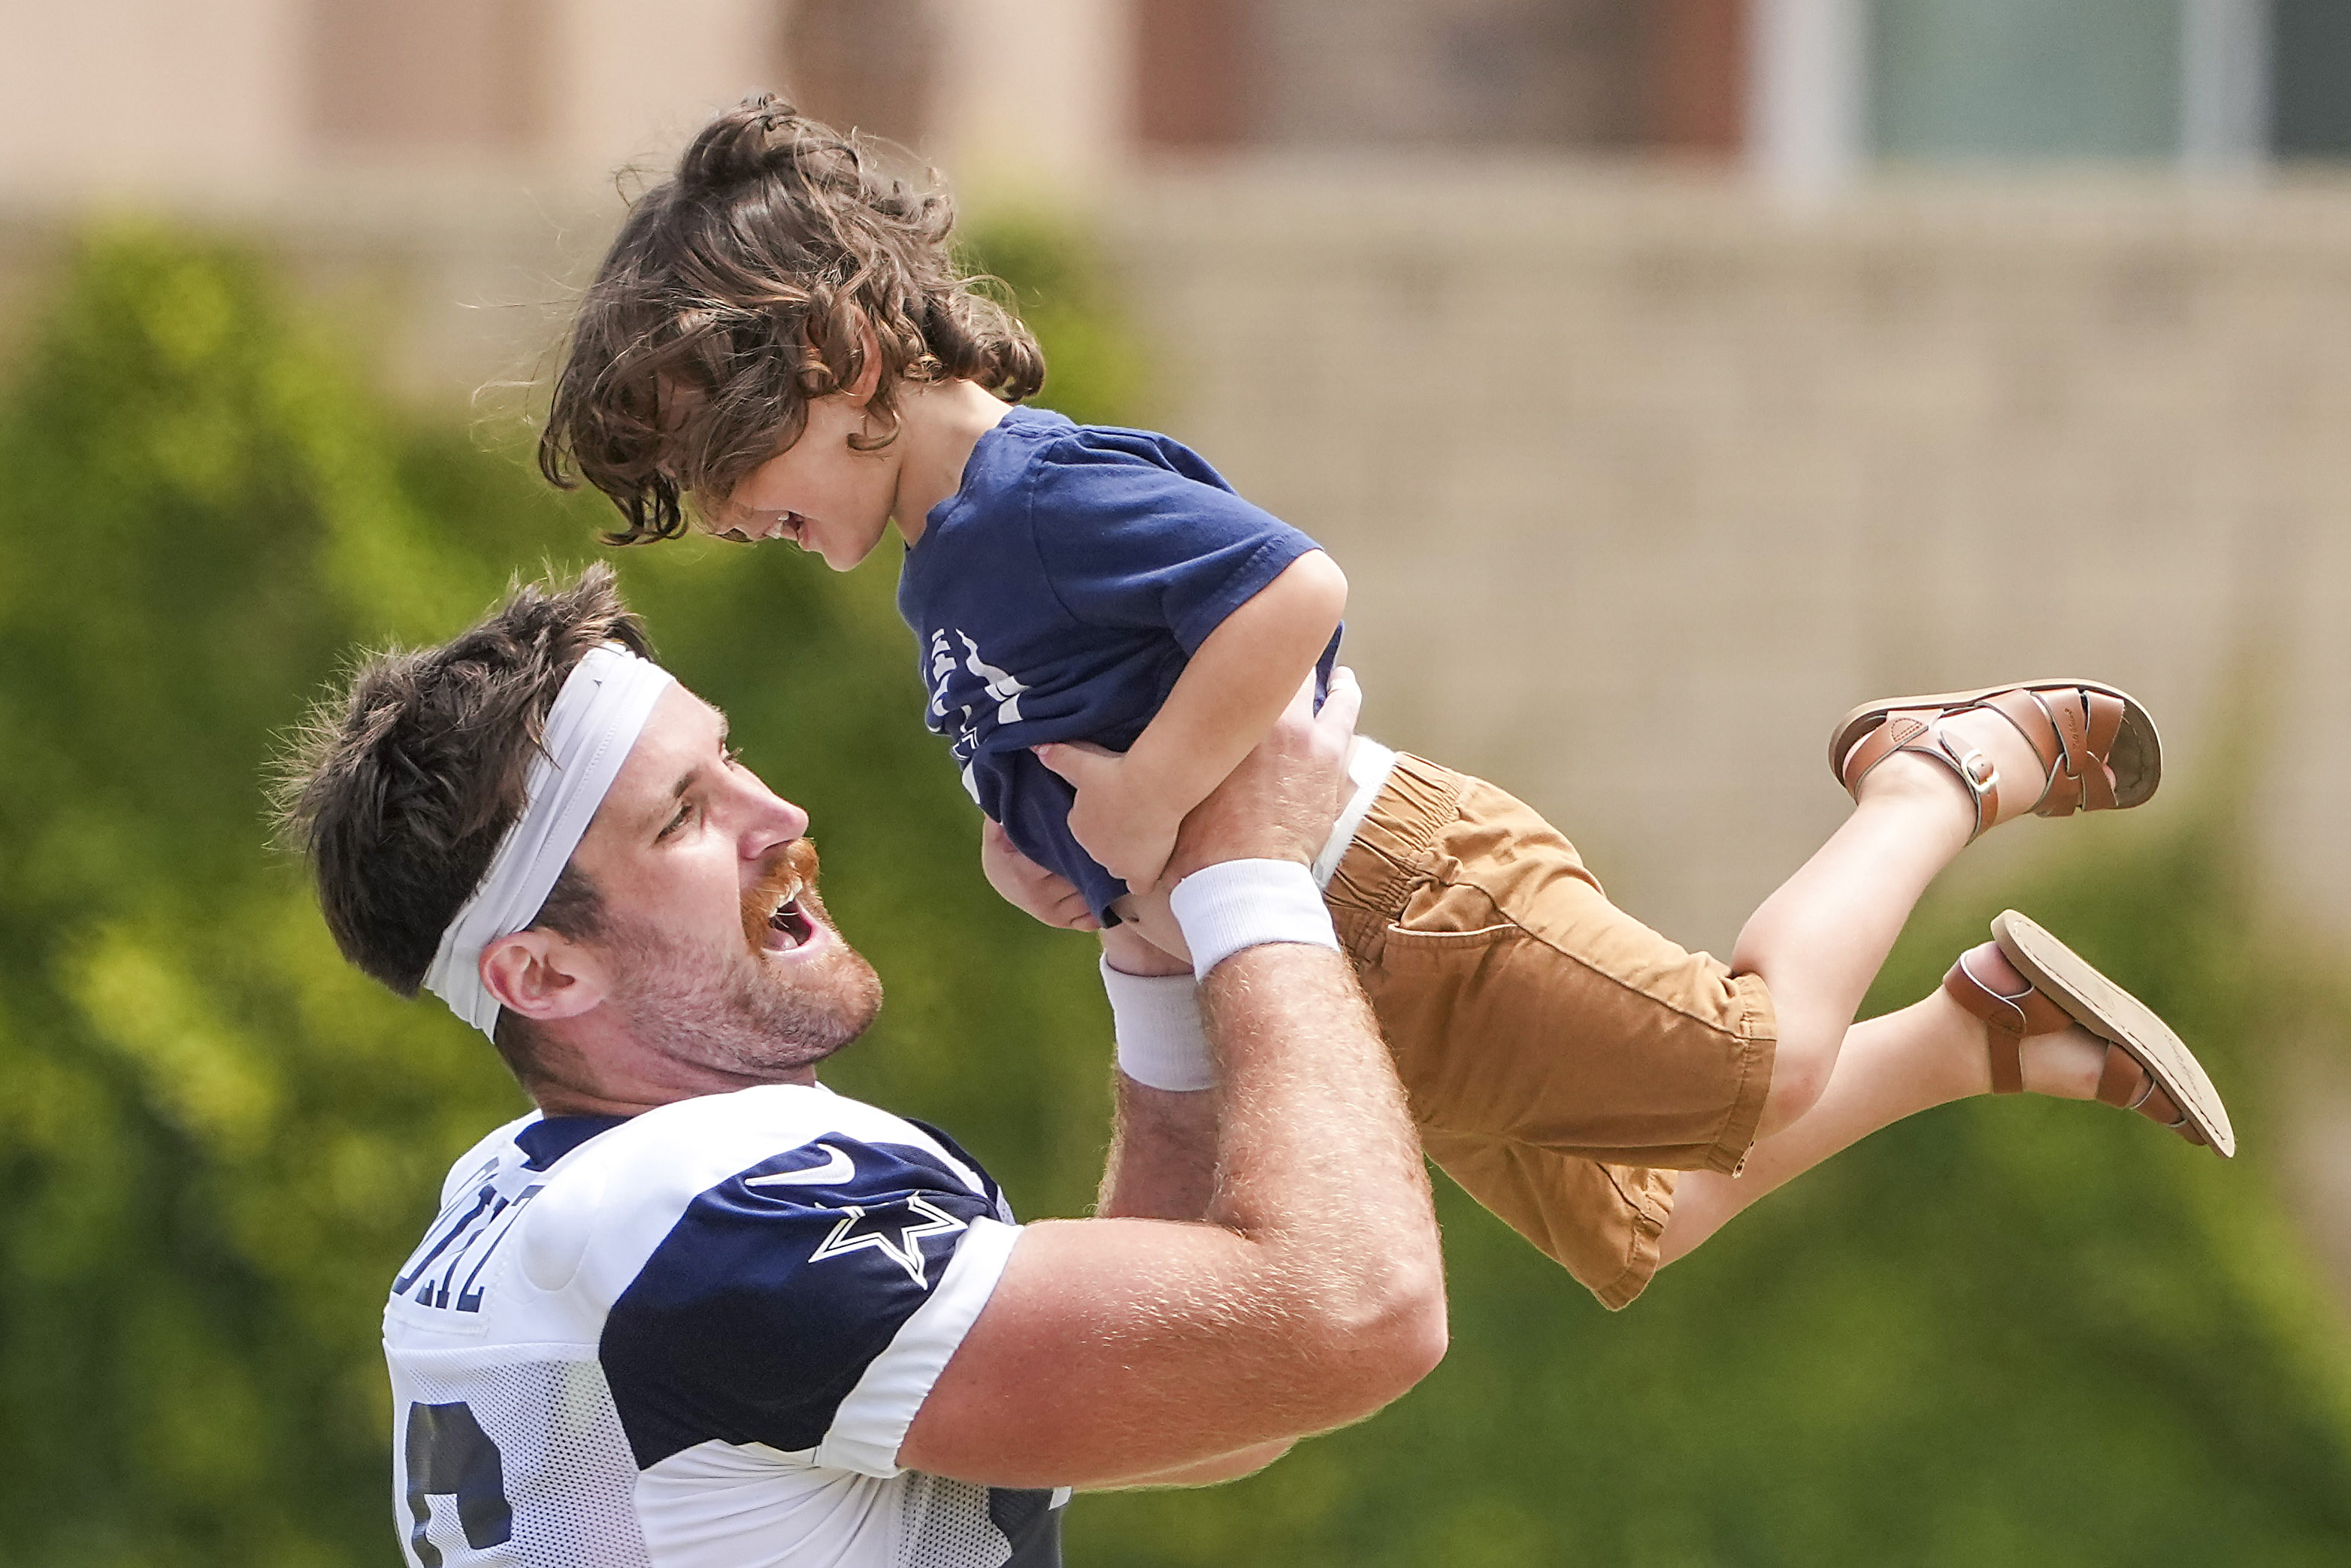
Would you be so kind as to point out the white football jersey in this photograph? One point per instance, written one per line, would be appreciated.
(694, 1338)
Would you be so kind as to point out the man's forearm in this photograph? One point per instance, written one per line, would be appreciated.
(1318, 1163)
(1163, 1154)
(1305, 1155)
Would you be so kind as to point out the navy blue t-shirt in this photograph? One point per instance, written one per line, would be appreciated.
(1058, 595)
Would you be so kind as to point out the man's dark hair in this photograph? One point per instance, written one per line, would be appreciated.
(398, 789)
(738, 290)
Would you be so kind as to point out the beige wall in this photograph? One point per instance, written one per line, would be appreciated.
(100, 97)
(445, 170)
(1036, 96)
(636, 80)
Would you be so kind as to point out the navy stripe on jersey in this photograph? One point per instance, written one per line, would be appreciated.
(765, 1304)
(550, 1138)
(1002, 1208)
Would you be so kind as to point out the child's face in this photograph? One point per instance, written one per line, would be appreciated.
(819, 493)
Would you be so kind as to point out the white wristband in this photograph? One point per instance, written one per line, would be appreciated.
(1161, 1040)
(1247, 903)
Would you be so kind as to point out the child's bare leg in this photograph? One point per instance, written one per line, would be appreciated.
(1927, 1054)
(1820, 940)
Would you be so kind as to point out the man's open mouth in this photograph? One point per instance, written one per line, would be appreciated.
(789, 925)
(781, 913)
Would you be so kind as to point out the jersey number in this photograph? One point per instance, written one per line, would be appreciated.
(450, 1455)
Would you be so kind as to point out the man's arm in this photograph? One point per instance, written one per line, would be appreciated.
(1163, 1158)
(1311, 1293)
(1115, 1349)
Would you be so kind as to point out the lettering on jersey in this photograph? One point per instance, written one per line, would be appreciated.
(466, 1237)
(896, 1230)
(959, 711)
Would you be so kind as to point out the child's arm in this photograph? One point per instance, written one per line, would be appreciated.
(1239, 680)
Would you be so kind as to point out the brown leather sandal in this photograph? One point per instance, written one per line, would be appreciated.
(2148, 1069)
(2098, 748)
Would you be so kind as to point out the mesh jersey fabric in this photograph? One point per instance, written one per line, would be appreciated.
(1057, 594)
(696, 1338)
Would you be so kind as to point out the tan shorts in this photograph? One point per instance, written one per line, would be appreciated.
(1561, 1059)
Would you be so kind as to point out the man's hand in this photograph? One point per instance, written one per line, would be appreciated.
(1281, 803)
(1119, 817)
(1029, 887)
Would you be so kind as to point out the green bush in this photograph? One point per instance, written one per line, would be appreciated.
(2015, 1331)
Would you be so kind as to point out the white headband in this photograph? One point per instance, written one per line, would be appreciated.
(590, 732)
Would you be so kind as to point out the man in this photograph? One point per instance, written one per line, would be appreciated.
(700, 1310)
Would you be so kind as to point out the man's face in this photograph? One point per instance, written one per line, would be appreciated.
(721, 952)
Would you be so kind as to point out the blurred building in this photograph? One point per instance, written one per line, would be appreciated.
(1805, 90)
(240, 99)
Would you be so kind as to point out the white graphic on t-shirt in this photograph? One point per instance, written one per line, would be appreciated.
(1002, 686)
(943, 664)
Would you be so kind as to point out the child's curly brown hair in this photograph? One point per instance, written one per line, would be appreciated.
(740, 288)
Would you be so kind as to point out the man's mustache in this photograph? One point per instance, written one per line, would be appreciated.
(787, 870)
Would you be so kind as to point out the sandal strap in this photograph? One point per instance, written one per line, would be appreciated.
(1916, 730)
(2094, 780)
(2127, 1085)
(2011, 1018)
(2070, 731)
(2123, 1081)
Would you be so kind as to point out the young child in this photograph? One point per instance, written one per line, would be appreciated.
(1106, 629)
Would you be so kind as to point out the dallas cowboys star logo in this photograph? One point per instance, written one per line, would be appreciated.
(896, 1230)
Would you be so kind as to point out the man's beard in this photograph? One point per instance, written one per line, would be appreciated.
(733, 1008)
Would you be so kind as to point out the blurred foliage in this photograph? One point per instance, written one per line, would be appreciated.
(1054, 278)
(2005, 1332)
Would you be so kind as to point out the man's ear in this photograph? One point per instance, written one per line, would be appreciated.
(542, 976)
